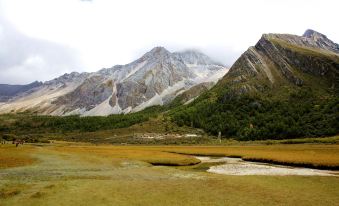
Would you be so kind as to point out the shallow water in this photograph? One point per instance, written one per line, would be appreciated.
(237, 166)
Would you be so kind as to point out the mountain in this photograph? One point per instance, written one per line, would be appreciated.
(154, 79)
(283, 87)
(279, 60)
(8, 91)
(194, 57)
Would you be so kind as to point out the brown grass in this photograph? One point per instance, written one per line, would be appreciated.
(83, 174)
(317, 156)
(7, 193)
(11, 156)
(314, 156)
(150, 155)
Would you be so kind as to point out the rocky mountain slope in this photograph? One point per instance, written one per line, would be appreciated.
(285, 86)
(154, 79)
(283, 59)
(8, 91)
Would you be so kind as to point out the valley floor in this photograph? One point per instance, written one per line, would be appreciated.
(64, 173)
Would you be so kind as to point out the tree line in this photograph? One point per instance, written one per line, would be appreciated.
(250, 117)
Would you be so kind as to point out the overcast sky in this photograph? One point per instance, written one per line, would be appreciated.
(42, 39)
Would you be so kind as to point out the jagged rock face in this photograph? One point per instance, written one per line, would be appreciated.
(321, 40)
(283, 59)
(65, 79)
(310, 38)
(154, 79)
(161, 70)
(90, 93)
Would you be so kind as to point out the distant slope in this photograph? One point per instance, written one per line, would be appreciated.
(8, 91)
(285, 86)
(40, 98)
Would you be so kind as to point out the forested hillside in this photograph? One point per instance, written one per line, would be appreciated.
(284, 87)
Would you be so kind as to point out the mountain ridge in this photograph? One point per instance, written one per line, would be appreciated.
(153, 79)
(278, 58)
(8, 91)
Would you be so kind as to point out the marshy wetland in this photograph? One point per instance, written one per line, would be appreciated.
(63, 173)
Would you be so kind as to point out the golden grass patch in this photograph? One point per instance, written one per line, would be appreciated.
(6, 193)
(146, 154)
(320, 156)
(11, 156)
(88, 176)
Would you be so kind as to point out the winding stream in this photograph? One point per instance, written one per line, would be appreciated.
(237, 166)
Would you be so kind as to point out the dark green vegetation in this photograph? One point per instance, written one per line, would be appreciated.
(33, 123)
(145, 127)
(282, 88)
(256, 118)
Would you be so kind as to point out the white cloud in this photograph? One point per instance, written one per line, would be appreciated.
(25, 59)
(106, 32)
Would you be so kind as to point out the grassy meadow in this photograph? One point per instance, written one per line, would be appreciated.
(64, 173)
